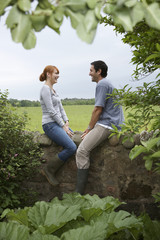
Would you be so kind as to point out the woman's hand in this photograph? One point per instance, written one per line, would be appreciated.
(67, 130)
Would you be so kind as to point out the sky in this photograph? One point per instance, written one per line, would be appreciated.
(20, 68)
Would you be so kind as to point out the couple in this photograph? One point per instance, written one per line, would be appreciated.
(55, 122)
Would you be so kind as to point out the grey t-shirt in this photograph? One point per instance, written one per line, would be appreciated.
(111, 113)
(52, 109)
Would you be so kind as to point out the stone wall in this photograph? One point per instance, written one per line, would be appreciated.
(111, 173)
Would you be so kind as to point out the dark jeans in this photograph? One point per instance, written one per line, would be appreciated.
(59, 136)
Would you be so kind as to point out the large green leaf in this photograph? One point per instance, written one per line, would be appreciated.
(152, 13)
(151, 230)
(3, 5)
(123, 17)
(20, 216)
(137, 13)
(37, 214)
(156, 155)
(59, 215)
(150, 143)
(97, 231)
(38, 22)
(13, 231)
(90, 21)
(39, 236)
(84, 35)
(130, 3)
(73, 199)
(148, 162)
(24, 5)
(92, 3)
(53, 23)
(74, 5)
(19, 24)
(117, 221)
(136, 151)
(30, 41)
(76, 18)
(48, 218)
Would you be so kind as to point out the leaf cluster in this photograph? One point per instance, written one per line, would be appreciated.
(19, 156)
(25, 18)
(76, 217)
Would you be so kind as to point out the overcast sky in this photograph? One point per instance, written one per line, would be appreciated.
(20, 68)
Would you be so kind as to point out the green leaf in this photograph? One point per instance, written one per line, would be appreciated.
(38, 22)
(38, 236)
(92, 3)
(20, 216)
(53, 23)
(59, 12)
(156, 154)
(152, 13)
(30, 41)
(122, 17)
(96, 232)
(3, 5)
(37, 214)
(13, 231)
(24, 5)
(84, 35)
(19, 24)
(90, 21)
(97, 11)
(136, 151)
(58, 216)
(150, 143)
(117, 221)
(130, 3)
(76, 18)
(137, 14)
(148, 162)
(74, 5)
(152, 56)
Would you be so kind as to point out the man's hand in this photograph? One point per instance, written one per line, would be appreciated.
(85, 133)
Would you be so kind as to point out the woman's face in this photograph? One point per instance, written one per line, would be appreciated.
(54, 77)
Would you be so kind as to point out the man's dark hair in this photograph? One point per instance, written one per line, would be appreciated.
(100, 65)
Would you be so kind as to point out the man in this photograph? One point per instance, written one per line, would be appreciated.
(105, 113)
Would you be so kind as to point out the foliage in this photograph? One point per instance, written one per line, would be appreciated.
(76, 217)
(19, 156)
(27, 17)
(144, 41)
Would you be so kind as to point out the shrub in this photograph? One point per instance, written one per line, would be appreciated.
(19, 156)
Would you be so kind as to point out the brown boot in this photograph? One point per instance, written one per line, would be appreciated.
(50, 170)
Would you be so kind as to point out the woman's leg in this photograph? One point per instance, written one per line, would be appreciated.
(59, 136)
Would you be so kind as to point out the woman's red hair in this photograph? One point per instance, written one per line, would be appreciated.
(48, 69)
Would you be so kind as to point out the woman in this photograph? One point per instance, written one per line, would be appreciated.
(55, 123)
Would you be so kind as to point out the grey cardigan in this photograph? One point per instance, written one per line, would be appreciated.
(52, 109)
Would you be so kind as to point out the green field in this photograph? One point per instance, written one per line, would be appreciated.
(79, 116)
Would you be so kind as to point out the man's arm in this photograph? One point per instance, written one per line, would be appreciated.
(94, 118)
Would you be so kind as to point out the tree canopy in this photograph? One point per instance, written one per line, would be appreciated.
(25, 17)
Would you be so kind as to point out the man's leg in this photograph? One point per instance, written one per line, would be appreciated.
(97, 135)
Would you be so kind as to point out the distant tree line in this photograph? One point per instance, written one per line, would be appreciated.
(66, 101)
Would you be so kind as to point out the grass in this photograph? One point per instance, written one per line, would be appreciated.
(79, 117)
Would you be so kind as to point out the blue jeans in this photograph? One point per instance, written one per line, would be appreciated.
(59, 136)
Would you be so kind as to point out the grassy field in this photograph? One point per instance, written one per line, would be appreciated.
(79, 117)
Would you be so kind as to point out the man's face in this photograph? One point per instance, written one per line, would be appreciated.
(94, 75)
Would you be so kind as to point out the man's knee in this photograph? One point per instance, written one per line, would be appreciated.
(82, 158)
